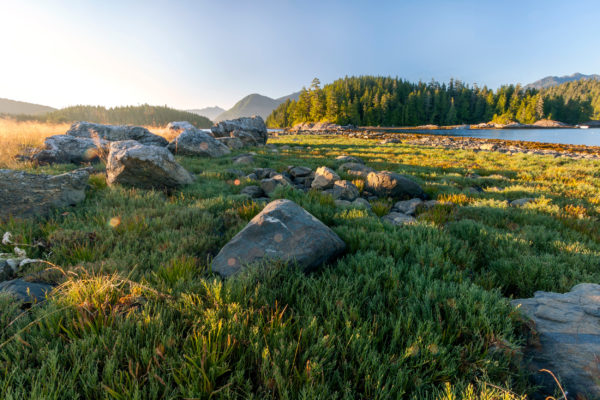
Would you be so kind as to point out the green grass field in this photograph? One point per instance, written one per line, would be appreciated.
(420, 311)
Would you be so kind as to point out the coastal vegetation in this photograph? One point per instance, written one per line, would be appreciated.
(415, 311)
(131, 115)
(386, 101)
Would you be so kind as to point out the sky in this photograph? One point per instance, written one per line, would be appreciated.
(194, 54)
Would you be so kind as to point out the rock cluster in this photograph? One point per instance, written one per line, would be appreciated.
(565, 339)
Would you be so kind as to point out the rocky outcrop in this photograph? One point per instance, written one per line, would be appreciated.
(283, 232)
(251, 131)
(194, 142)
(149, 167)
(232, 142)
(69, 149)
(24, 195)
(391, 184)
(565, 339)
(114, 133)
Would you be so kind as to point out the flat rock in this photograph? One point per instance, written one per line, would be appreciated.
(283, 232)
(566, 339)
(250, 130)
(407, 206)
(194, 142)
(324, 178)
(148, 167)
(116, 133)
(391, 184)
(28, 292)
(23, 194)
(397, 218)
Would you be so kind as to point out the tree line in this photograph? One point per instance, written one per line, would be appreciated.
(132, 115)
(386, 101)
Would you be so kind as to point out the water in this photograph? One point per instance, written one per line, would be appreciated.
(588, 137)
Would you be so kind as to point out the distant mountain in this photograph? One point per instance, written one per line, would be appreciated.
(254, 104)
(208, 112)
(14, 107)
(557, 80)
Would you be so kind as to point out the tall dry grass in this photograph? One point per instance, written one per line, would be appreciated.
(16, 136)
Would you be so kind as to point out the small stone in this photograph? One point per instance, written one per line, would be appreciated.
(345, 190)
(408, 207)
(522, 202)
(253, 191)
(396, 218)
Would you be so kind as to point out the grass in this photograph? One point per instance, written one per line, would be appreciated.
(419, 311)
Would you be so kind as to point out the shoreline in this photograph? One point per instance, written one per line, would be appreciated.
(575, 151)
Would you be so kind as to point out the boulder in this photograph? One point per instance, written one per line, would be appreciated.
(24, 195)
(356, 169)
(391, 184)
(149, 167)
(349, 159)
(69, 149)
(179, 126)
(521, 202)
(262, 173)
(250, 130)
(253, 191)
(28, 292)
(268, 185)
(283, 232)
(565, 339)
(407, 206)
(232, 142)
(194, 142)
(324, 178)
(115, 133)
(243, 159)
(299, 172)
(397, 218)
(361, 203)
(344, 190)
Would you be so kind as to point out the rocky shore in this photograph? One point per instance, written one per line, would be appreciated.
(457, 142)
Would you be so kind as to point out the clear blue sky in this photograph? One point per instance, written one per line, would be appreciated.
(192, 54)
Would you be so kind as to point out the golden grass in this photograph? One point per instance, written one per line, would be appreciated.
(15, 136)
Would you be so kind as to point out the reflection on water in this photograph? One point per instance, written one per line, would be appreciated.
(589, 137)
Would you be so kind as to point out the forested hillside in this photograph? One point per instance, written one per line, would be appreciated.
(386, 101)
(133, 115)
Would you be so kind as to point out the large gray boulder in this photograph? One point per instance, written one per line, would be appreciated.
(28, 292)
(344, 190)
(23, 194)
(149, 167)
(391, 184)
(252, 131)
(69, 149)
(194, 142)
(115, 133)
(283, 231)
(566, 339)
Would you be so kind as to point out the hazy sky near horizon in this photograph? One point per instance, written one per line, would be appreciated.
(193, 54)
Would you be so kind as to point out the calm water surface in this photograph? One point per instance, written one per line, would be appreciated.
(588, 137)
